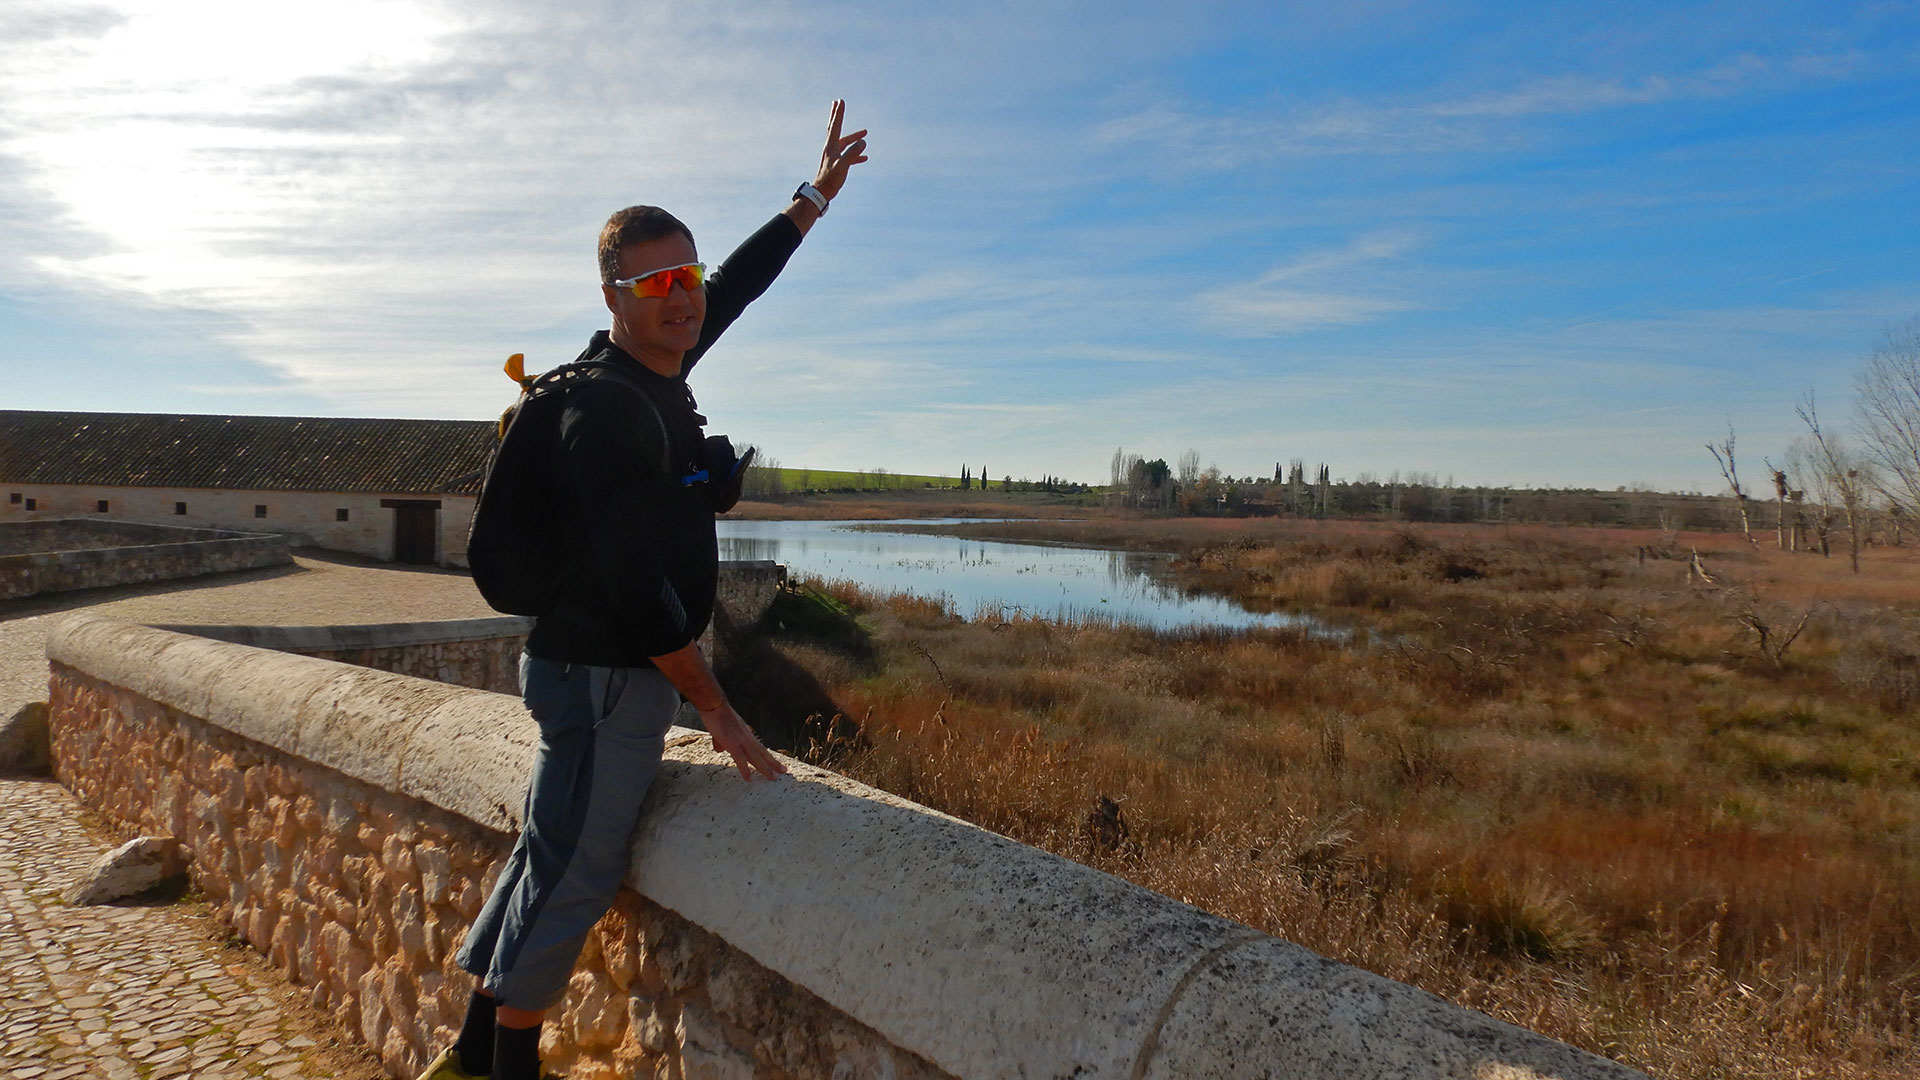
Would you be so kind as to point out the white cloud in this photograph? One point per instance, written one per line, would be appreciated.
(1316, 290)
(1565, 94)
(1177, 134)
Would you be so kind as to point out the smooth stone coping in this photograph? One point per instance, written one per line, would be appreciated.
(987, 957)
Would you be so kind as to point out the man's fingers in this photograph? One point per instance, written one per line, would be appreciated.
(748, 755)
(774, 767)
(764, 762)
(833, 120)
(757, 759)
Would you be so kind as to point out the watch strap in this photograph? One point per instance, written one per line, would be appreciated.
(811, 194)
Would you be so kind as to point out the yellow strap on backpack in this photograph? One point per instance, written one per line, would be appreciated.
(516, 370)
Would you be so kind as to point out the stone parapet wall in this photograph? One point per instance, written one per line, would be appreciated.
(80, 534)
(480, 653)
(746, 589)
(143, 553)
(348, 822)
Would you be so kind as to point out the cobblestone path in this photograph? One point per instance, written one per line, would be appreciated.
(155, 992)
(132, 992)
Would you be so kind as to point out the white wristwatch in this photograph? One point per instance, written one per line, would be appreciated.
(811, 194)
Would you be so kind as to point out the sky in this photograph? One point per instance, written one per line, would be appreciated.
(1541, 244)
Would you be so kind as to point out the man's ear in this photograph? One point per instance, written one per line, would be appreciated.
(606, 294)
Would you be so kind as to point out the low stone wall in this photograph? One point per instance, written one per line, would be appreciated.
(348, 823)
(745, 590)
(80, 534)
(480, 653)
(46, 556)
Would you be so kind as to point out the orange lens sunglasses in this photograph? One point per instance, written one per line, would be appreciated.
(660, 282)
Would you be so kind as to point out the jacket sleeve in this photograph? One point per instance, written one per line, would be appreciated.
(742, 278)
(608, 453)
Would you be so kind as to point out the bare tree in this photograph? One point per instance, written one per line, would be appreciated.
(1780, 499)
(1771, 633)
(763, 479)
(1811, 482)
(1836, 467)
(1887, 402)
(1188, 469)
(1723, 456)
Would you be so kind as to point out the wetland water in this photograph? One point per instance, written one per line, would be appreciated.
(1036, 580)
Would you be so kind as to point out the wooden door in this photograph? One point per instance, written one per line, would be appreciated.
(415, 531)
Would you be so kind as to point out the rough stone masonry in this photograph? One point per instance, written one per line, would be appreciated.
(361, 895)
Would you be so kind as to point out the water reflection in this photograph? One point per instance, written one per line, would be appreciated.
(976, 576)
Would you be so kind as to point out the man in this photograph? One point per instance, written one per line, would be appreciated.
(606, 667)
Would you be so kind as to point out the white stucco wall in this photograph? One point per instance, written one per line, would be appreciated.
(307, 517)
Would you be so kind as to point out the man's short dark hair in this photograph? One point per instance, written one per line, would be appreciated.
(634, 225)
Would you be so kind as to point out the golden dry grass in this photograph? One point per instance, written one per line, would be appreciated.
(1544, 777)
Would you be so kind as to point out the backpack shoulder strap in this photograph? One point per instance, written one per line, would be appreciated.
(569, 377)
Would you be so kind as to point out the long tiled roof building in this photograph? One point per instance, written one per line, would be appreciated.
(392, 489)
(267, 453)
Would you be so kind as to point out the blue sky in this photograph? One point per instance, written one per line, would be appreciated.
(1526, 244)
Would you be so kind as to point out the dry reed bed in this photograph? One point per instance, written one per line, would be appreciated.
(1547, 777)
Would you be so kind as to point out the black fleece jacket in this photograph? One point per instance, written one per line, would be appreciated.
(642, 559)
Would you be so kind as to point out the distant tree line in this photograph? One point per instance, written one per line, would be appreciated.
(1296, 490)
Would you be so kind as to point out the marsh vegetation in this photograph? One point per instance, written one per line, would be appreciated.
(1658, 806)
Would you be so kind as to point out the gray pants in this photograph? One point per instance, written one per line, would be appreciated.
(602, 731)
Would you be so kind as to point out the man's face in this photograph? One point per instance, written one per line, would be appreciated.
(657, 327)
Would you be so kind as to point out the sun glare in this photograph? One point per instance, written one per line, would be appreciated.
(159, 136)
(242, 45)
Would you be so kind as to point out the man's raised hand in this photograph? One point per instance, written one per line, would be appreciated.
(841, 153)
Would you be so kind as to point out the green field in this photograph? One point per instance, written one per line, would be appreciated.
(794, 480)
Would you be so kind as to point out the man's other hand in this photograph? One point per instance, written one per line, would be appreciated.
(732, 736)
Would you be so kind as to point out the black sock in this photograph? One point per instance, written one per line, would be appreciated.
(475, 1044)
(516, 1053)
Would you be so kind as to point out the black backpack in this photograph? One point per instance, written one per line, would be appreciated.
(518, 556)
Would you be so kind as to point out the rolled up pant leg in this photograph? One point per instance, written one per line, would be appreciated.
(602, 732)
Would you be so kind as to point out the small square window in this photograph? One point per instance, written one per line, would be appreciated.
(33, 504)
(260, 510)
(340, 514)
(100, 507)
(180, 509)
(14, 498)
